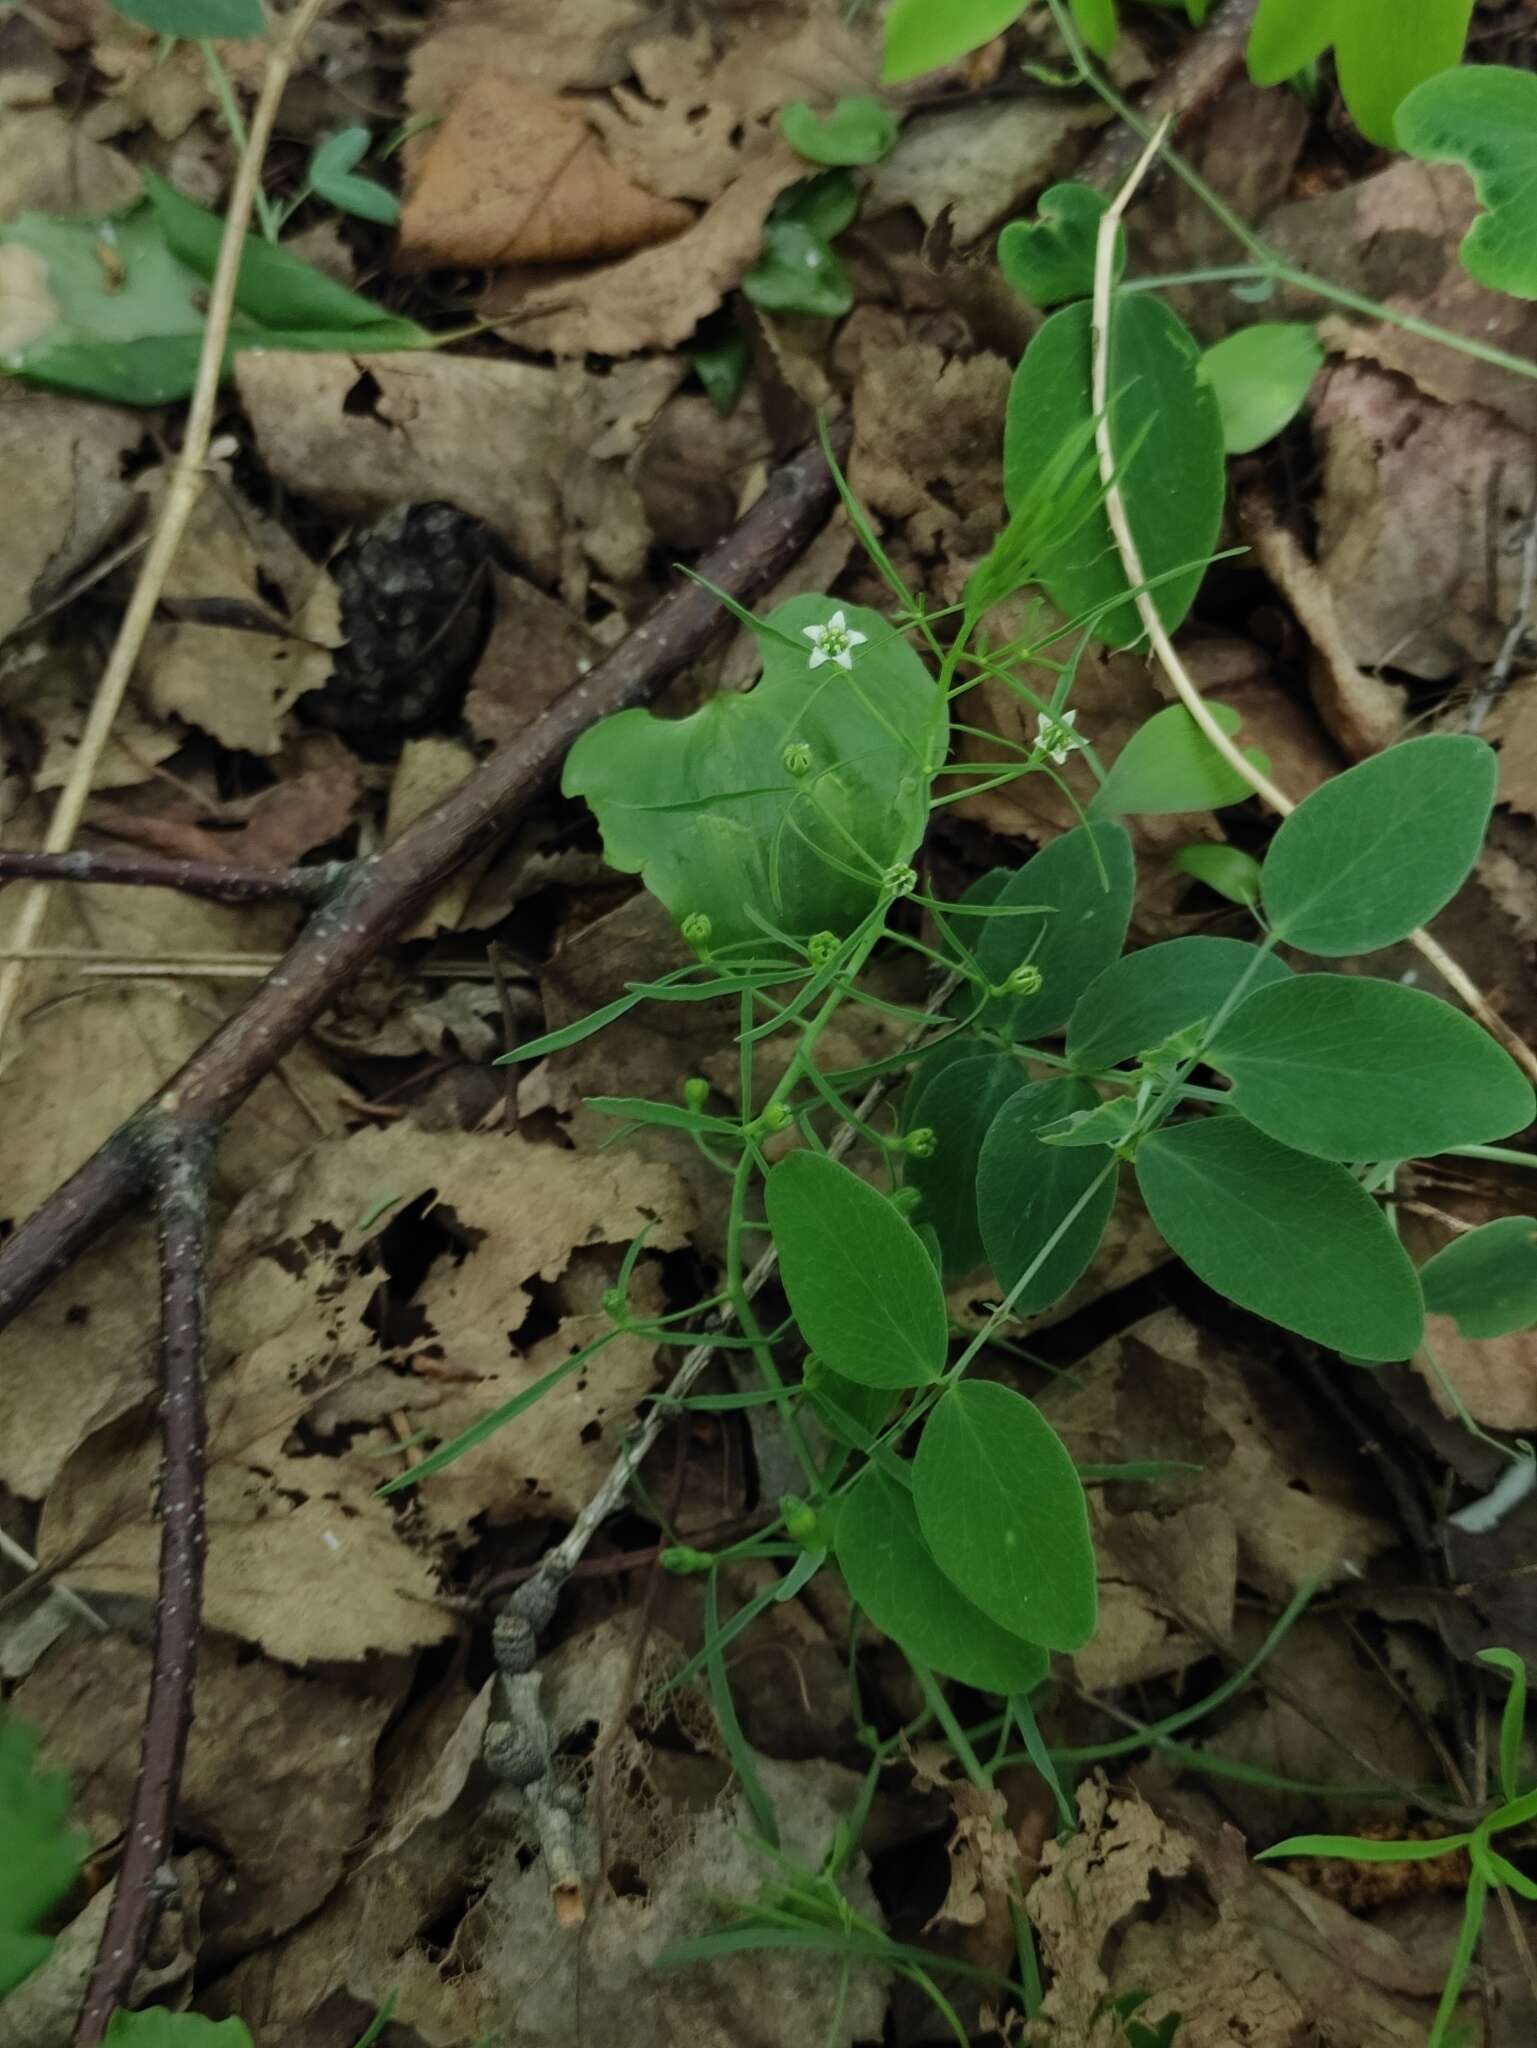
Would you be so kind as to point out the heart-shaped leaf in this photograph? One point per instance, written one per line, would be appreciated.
(1484, 117)
(1050, 260)
(859, 130)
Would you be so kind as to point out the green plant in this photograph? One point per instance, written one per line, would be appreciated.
(1489, 1870)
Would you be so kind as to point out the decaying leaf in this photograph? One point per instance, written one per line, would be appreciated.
(63, 456)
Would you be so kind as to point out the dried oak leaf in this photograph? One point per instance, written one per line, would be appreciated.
(579, 44)
(62, 461)
(513, 176)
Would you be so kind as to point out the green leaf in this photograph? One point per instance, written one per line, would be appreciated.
(861, 1287)
(1096, 24)
(1051, 259)
(851, 1413)
(705, 809)
(797, 271)
(1379, 850)
(1347, 1067)
(1290, 1237)
(1027, 1190)
(41, 1855)
(721, 368)
(958, 1104)
(1145, 997)
(1082, 885)
(1383, 49)
(859, 130)
(331, 176)
(1169, 765)
(921, 35)
(157, 2028)
(1225, 869)
(1512, 1719)
(891, 1575)
(1003, 1514)
(1484, 117)
(1486, 1279)
(1366, 1849)
(1167, 438)
(197, 18)
(1260, 377)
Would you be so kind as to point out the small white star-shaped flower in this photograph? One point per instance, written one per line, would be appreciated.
(835, 642)
(1055, 736)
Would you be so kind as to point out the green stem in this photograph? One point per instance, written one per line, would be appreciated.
(934, 1699)
(751, 1328)
(223, 92)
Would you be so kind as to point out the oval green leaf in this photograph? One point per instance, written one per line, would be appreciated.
(1352, 1068)
(1026, 1191)
(1377, 851)
(705, 809)
(1484, 117)
(860, 1284)
(1292, 1238)
(1169, 765)
(1167, 438)
(1144, 998)
(197, 18)
(155, 2027)
(1486, 1280)
(1227, 870)
(891, 1575)
(1382, 49)
(921, 36)
(1082, 886)
(1260, 377)
(1003, 1514)
(958, 1105)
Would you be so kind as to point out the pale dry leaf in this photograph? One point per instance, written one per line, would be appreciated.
(985, 1861)
(1417, 503)
(428, 771)
(582, 44)
(1512, 726)
(48, 164)
(1494, 1378)
(50, 685)
(312, 802)
(513, 176)
(507, 442)
(62, 459)
(1168, 1580)
(279, 1768)
(27, 305)
(238, 684)
(980, 164)
(1394, 238)
(657, 297)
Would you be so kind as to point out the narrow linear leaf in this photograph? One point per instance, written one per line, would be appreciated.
(1145, 997)
(1379, 850)
(1349, 1067)
(860, 1284)
(1003, 1514)
(890, 1573)
(1288, 1236)
(1026, 1190)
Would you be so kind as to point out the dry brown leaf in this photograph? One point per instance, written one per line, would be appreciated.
(985, 1861)
(50, 686)
(62, 460)
(49, 165)
(656, 298)
(1167, 1583)
(428, 771)
(580, 44)
(980, 164)
(511, 443)
(279, 1768)
(313, 802)
(513, 176)
(697, 473)
(236, 683)
(1418, 501)
(1495, 1378)
(537, 648)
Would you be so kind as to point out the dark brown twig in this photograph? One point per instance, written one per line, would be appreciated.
(179, 1161)
(377, 898)
(208, 878)
(1184, 90)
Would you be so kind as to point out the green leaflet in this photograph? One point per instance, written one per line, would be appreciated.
(1167, 438)
(1082, 885)
(1382, 48)
(211, 18)
(959, 1103)
(1050, 260)
(1026, 1191)
(859, 130)
(1226, 869)
(1486, 1279)
(890, 1573)
(42, 1853)
(1377, 851)
(1288, 1236)
(1260, 377)
(862, 1288)
(157, 2028)
(1002, 1512)
(707, 811)
(921, 35)
(1145, 997)
(1348, 1067)
(1485, 118)
(1169, 765)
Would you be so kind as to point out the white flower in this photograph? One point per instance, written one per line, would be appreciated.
(835, 641)
(1055, 736)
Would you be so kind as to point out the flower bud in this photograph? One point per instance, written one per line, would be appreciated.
(899, 880)
(922, 1143)
(822, 947)
(1025, 980)
(696, 1093)
(802, 1525)
(682, 1560)
(697, 929)
(796, 758)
